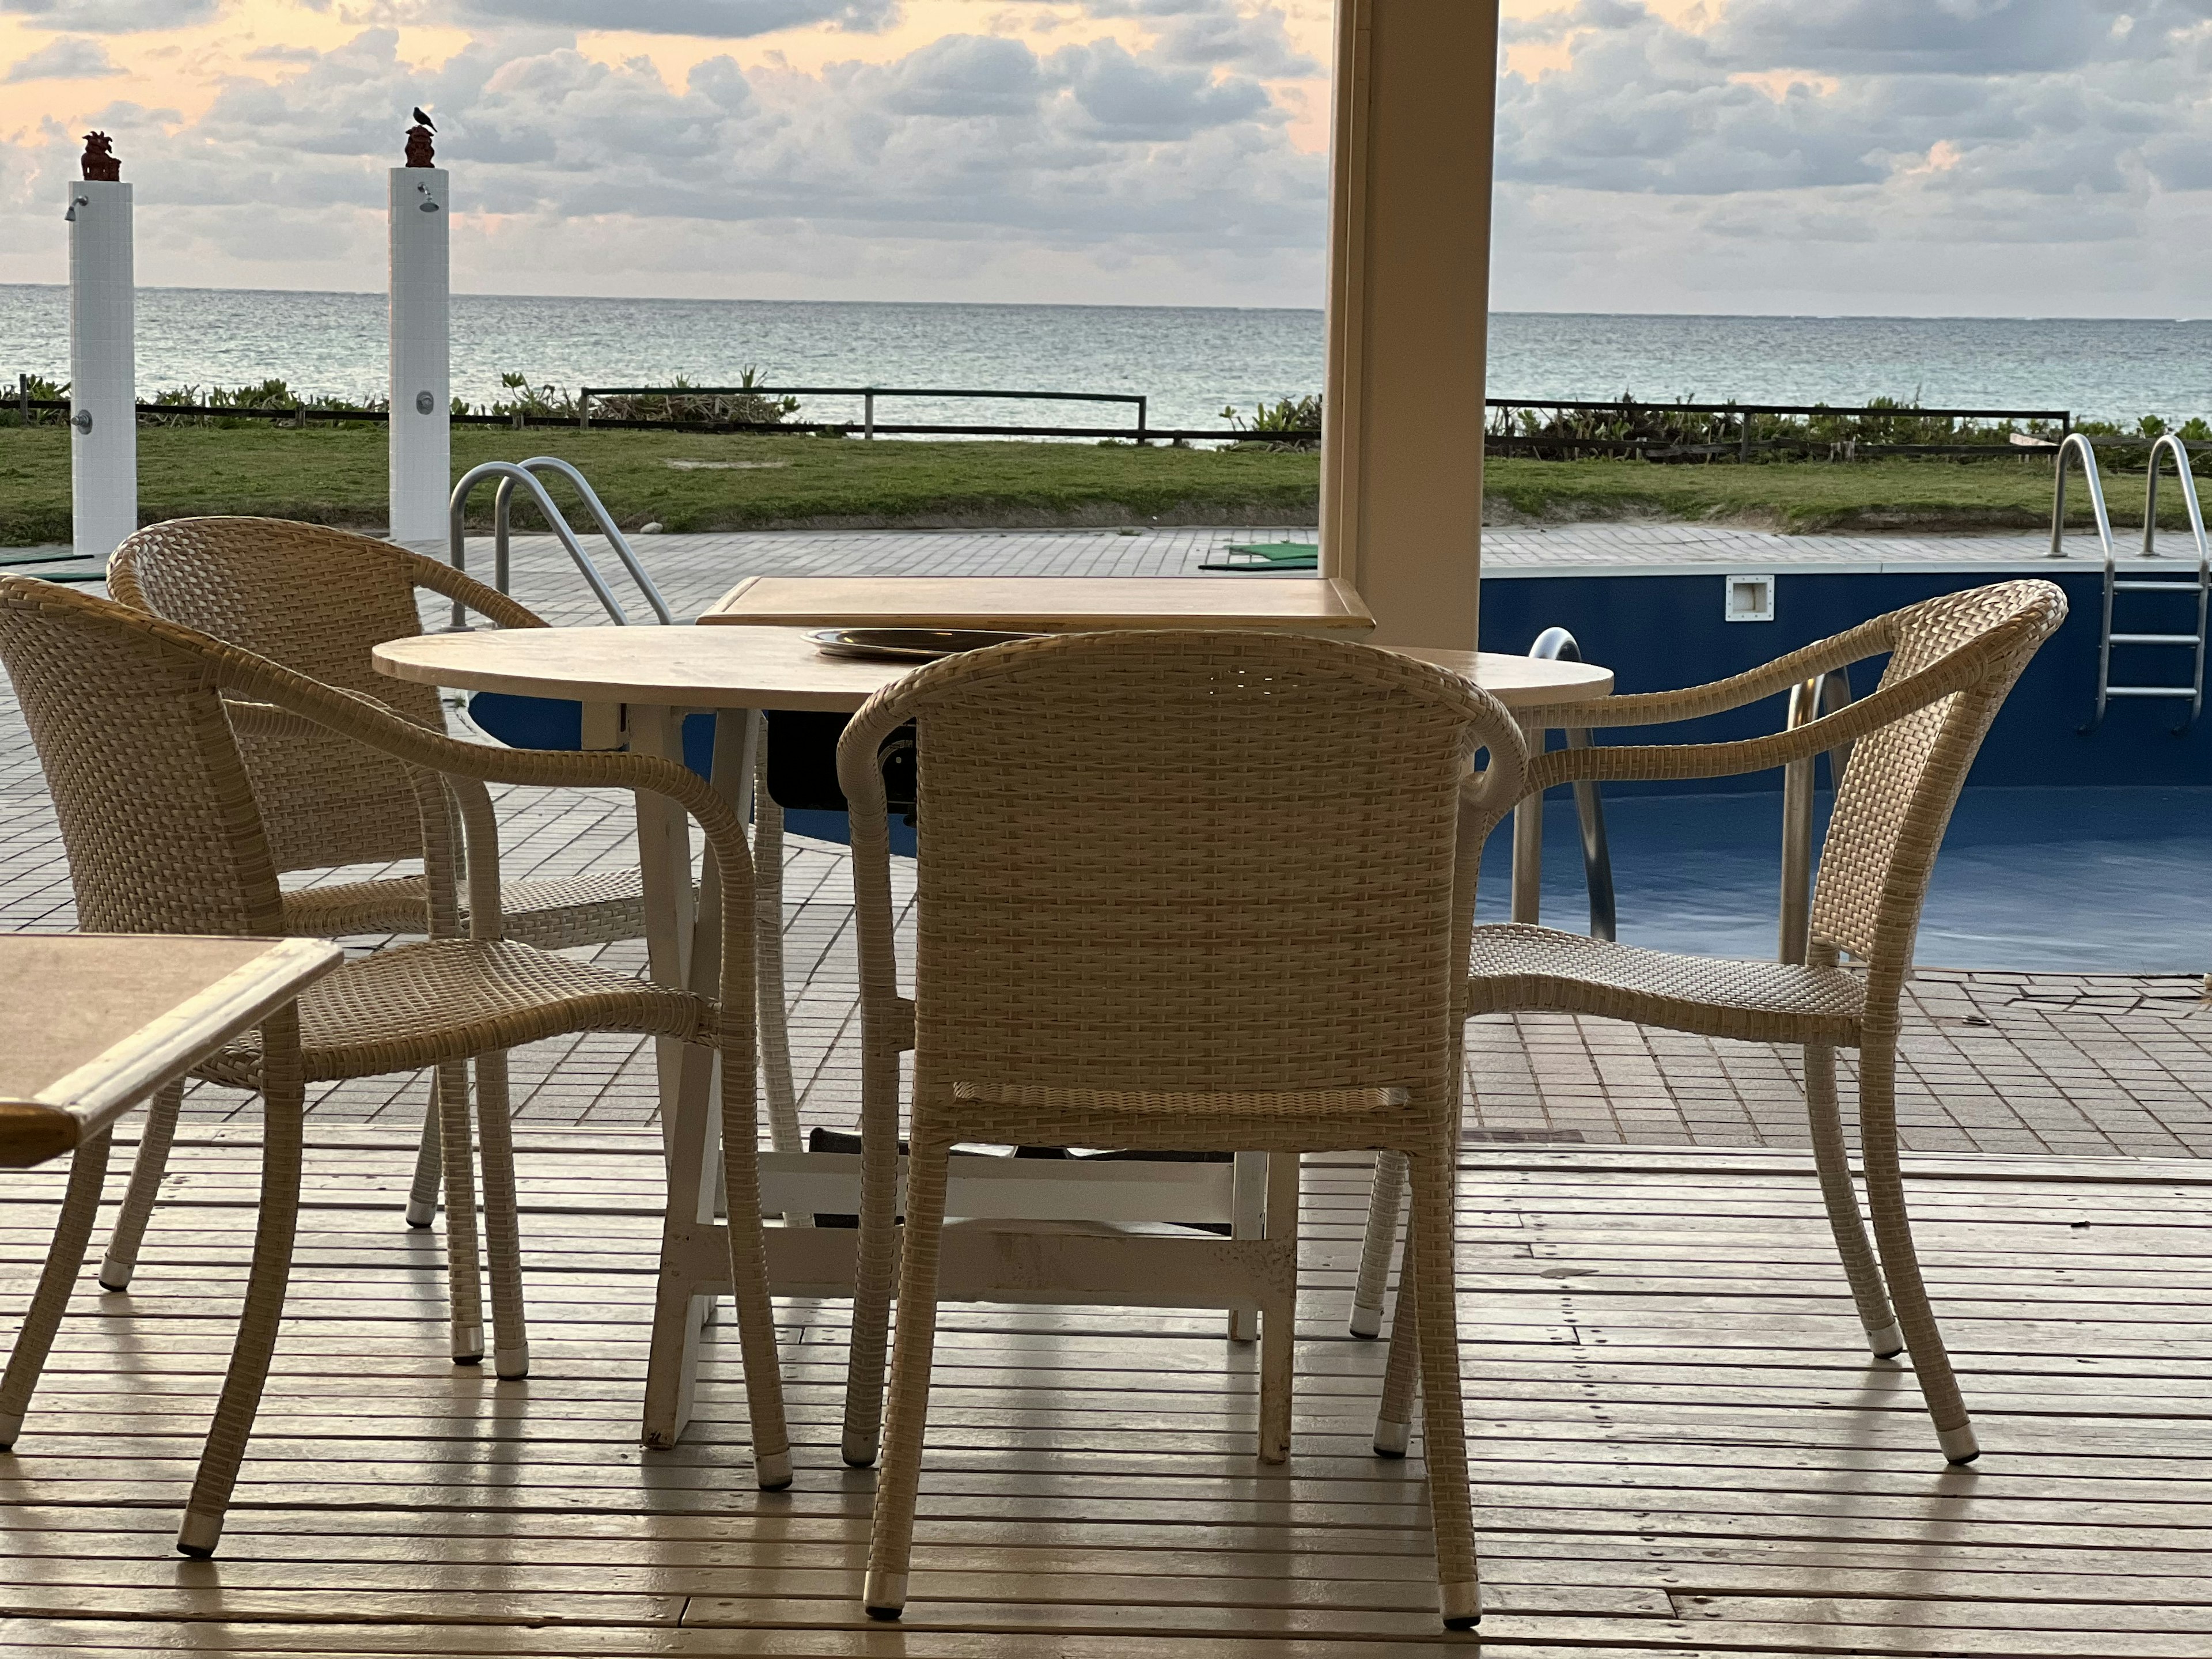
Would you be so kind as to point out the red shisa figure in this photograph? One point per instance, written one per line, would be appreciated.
(100, 162)
(419, 153)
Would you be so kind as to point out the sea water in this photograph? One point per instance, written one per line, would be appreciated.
(1190, 361)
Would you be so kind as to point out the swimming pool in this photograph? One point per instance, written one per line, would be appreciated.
(2112, 879)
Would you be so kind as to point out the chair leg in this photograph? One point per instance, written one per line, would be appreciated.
(876, 1263)
(748, 1282)
(891, 1537)
(510, 1348)
(146, 1172)
(1384, 1204)
(1900, 1262)
(1842, 1199)
(1393, 1413)
(1443, 1427)
(422, 1191)
(464, 1284)
(56, 1280)
(283, 1096)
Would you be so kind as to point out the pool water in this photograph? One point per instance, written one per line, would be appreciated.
(2082, 879)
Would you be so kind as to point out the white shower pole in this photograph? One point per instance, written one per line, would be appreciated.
(103, 390)
(421, 315)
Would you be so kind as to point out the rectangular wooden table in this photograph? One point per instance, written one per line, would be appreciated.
(1308, 604)
(92, 1023)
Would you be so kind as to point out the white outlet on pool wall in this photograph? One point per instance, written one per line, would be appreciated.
(1747, 599)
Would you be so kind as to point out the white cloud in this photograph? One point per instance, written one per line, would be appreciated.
(68, 58)
(714, 19)
(110, 16)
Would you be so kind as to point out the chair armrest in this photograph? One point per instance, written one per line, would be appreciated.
(1952, 673)
(479, 596)
(367, 721)
(1664, 708)
(442, 855)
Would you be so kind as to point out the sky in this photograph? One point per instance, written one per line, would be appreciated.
(1914, 157)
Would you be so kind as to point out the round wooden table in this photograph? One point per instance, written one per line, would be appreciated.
(770, 667)
(635, 685)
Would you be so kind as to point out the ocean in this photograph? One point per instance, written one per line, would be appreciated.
(1190, 361)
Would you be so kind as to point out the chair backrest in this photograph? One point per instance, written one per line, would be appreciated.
(1190, 860)
(1904, 778)
(317, 600)
(156, 812)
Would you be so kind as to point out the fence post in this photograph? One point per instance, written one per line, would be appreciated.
(868, 414)
(1743, 436)
(1142, 422)
(583, 408)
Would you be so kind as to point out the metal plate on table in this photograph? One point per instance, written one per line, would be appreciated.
(908, 644)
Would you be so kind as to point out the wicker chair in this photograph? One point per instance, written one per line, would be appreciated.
(134, 720)
(1118, 947)
(318, 600)
(1952, 661)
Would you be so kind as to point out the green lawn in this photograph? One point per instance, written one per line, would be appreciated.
(335, 477)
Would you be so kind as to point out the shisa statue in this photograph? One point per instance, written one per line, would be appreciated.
(100, 163)
(419, 151)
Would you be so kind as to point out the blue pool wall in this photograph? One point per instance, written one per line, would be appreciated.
(1658, 632)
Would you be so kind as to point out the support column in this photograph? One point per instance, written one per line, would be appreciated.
(103, 362)
(1408, 312)
(421, 307)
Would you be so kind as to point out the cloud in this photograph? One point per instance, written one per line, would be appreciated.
(1130, 98)
(65, 59)
(718, 19)
(1216, 33)
(111, 16)
(967, 141)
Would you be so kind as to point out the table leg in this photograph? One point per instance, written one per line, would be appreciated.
(664, 857)
(687, 1078)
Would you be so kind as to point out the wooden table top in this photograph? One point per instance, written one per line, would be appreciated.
(1047, 603)
(762, 667)
(91, 1023)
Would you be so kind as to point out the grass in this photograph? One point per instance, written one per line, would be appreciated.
(337, 477)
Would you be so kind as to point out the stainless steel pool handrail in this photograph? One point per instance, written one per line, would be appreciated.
(1824, 694)
(1556, 644)
(2078, 446)
(511, 474)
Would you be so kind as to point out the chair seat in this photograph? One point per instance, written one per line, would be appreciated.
(1517, 967)
(417, 1004)
(1285, 1121)
(552, 915)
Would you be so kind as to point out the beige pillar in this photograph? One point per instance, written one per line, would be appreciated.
(1408, 308)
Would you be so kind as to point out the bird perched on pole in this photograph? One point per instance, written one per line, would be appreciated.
(424, 120)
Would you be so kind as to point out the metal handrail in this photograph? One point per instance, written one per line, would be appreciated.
(2076, 444)
(524, 473)
(1824, 694)
(1556, 644)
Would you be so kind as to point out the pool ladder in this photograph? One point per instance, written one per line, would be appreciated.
(523, 475)
(2078, 446)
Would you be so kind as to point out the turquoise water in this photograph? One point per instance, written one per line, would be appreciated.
(1190, 360)
(2085, 880)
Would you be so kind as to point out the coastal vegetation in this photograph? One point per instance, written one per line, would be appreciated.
(335, 473)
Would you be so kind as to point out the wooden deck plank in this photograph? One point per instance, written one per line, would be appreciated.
(1678, 1443)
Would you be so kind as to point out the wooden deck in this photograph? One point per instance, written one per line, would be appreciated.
(1680, 1447)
